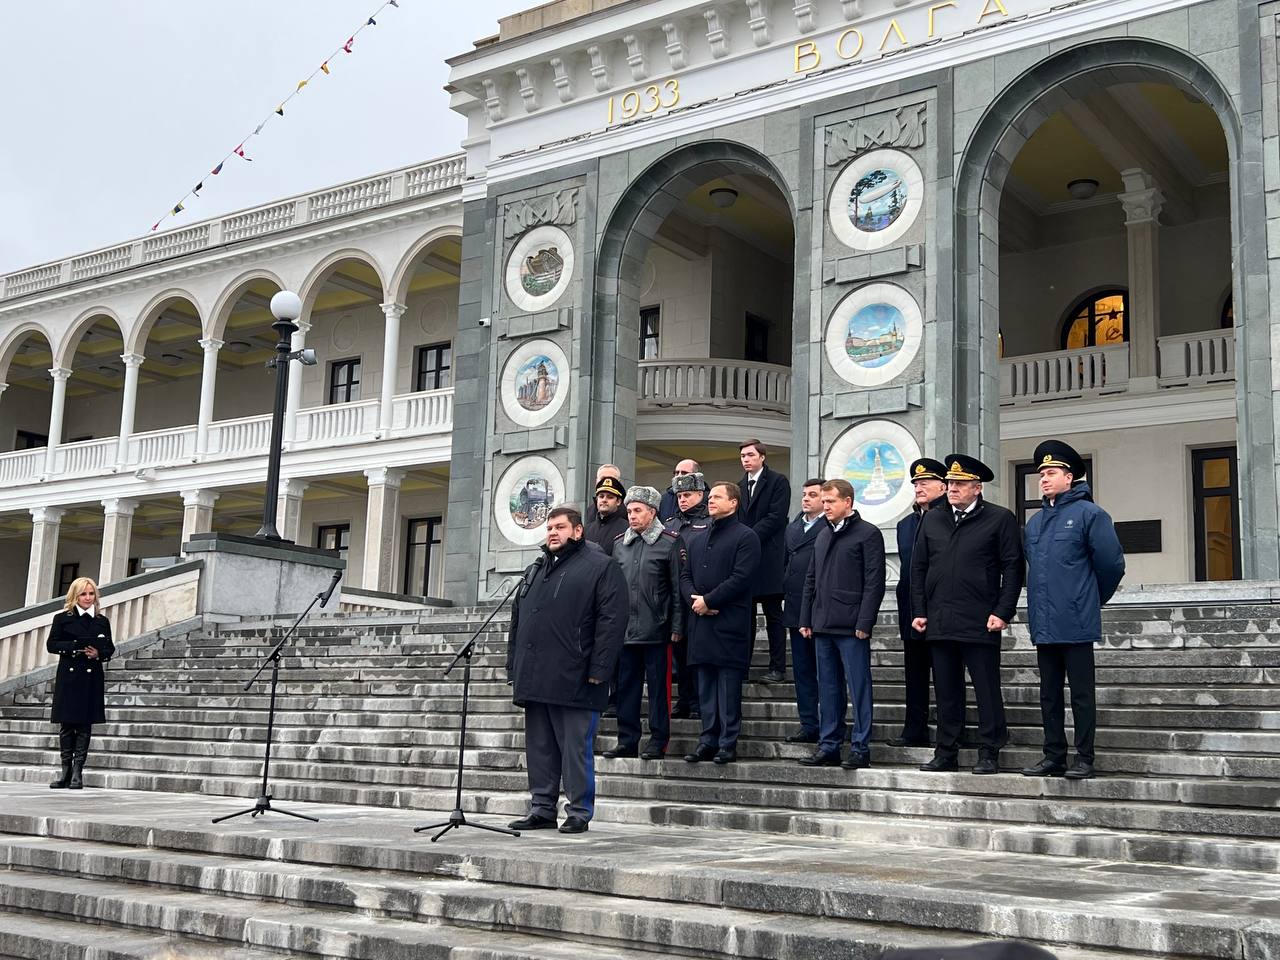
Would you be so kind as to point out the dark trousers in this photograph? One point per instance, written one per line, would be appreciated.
(804, 668)
(1072, 663)
(685, 675)
(559, 750)
(982, 660)
(641, 665)
(775, 630)
(844, 664)
(916, 664)
(720, 699)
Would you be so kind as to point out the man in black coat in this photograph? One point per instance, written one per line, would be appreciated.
(650, 559)
(717, 582)
(766, 500)
(930, 491)
(799, 539)
(966, 571)
(610, 520)
(691, 501)
(842, 594)
(567, 625)
(670, 505)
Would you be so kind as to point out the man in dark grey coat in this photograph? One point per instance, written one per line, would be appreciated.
(691, 518)
(766, 499)
(650, 560)
(799, 539)
(567, 625)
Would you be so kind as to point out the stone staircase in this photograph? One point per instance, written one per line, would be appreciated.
(1174, 851)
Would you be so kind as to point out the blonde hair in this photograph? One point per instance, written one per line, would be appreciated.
(78, 586)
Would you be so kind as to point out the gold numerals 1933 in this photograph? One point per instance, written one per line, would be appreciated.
(650, 99)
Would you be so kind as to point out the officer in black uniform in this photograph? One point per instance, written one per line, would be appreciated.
(691, 518)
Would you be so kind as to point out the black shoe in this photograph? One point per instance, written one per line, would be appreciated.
(700, 755)
(725, 756)
(62, 782)
(681, 711)
(987, 765)
(857, 761)
(617, 752)
(908, 742)
(1080, 770)
(1045, 768)
(774, 676)
(610, 711)
(941, 765)
(803, 737)
(574, 825)
(822, 758)
(695, 713)
(652, 751)
(533, 822)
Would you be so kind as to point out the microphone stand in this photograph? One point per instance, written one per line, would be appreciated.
(457, 818)
(263, 804)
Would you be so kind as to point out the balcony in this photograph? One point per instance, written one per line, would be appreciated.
(760, 387)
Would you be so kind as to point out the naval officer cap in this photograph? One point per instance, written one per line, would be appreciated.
(961, 466)
(926, 468)
(611, 485)
(1055, 453)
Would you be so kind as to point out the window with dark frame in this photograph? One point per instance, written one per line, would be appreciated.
(67, 573)
(1228, 318)
(434, 367)
(650, 325)
(344, 380)
(756, 349)
(135, 566)
(1026, 489)
(1099, 320)
(29, 440)
(334, 536)
(424, 546)
(1215, 493)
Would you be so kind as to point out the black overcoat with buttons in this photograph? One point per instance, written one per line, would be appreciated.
(721, 563)
(78, 695)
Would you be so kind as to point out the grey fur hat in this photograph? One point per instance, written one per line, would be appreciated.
(646, 495)
(687, 483)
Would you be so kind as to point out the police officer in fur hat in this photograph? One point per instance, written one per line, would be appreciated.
(691, 518)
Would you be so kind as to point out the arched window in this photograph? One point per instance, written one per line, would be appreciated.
(1228, 318)
(1098, 320)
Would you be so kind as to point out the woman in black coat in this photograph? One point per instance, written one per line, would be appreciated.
(81, 637)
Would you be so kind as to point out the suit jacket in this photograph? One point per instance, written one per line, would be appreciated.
(799, 547)
(908, 528)
(766, 514)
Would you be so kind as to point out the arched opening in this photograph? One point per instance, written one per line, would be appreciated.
(24, 407)
(169, 377)
(95, 389)
(342, 302)
(697, 272)
(244, 387)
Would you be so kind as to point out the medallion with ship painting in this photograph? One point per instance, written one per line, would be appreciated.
(534, 382)
(876, 199)
(528, 491)
(874, 334)
(539, 268)
(873, 456)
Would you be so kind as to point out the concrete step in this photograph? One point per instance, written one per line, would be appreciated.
(35, 937)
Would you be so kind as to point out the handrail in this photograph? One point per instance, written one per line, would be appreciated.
(710, 381)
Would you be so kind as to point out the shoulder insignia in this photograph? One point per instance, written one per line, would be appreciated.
(619, 536)
(670, 533)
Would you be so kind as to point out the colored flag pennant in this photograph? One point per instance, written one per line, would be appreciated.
(258, 129)
(346, 47)
(394, 4)
(154, 225)
(325, 67)
(372, 22)
(239, 152)
(177, 210)
(301, 84)
(198, 187)
(216, 170)
(280, 110)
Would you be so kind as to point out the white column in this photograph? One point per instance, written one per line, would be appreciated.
(128, 405)
(382, 516)
(208, 381)
(390, 363)
(1142, 202)
(293, 401)
(289, 508)
(56, 408)
(197, 512)
(117, 532)
(43, 565)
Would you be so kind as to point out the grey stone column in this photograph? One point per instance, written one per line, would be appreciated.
(117, 533)
(382, 518)
(289, 507)
(46, 523)
(197, 512)
(1142, 202)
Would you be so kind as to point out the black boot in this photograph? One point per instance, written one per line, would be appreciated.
(77, 761)
(67, 748)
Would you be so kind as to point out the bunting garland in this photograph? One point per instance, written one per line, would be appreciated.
(239, 150)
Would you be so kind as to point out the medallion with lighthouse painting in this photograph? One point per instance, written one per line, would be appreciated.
(873, 456)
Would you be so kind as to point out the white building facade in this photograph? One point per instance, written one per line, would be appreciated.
(859, 230)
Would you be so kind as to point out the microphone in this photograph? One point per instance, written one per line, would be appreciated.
(324, 597)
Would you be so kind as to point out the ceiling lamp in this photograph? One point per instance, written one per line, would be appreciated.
(239, 346)
(1082, 189)
(724, 197)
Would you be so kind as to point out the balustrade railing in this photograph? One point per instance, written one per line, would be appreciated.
(1207, 356)
(104, 261)
(87, 456)
(245, 436)
(429, 410)
(351, 198)
(162, 447)
(175, 243)
(21, 466)
(718, 383)
(1064, 373)
(340, 421)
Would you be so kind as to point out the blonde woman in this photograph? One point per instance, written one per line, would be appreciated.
(81, 637)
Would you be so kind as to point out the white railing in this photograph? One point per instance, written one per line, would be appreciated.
(420, 180)
(245, 436)
(1207, 356)
(133, 609)
(21, 465)
(162, 447)
(429, 410)
(1064, 373)
(340, 421)
(87, 456)
(717, 383)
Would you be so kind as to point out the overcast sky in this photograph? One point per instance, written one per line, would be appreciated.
(112, 109)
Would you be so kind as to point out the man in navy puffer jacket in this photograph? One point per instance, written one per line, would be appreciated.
(1074, 564)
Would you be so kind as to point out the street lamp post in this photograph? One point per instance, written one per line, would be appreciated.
(286, 308)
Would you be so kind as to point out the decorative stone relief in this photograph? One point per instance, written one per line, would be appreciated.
(492, 101)
(528, 490)
(344, 332)
(539, 268)
(559, 208)
(635, 56)
(758, 21)
(535, 382)
(599, 68)
(528, 90)
(874, 334)
(563, 82)
(876, 199)
(904, 128)
(717, 36)
(676, 52)
(873, 456)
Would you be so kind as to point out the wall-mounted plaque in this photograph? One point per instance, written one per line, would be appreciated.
(876, 199)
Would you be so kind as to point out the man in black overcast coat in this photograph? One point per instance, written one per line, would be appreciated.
(766, 498)
(800, 536)
(567, 626)
(966, 571)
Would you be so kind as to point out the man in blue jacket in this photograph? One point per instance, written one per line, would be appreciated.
(801, 534)
(1074, 564)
